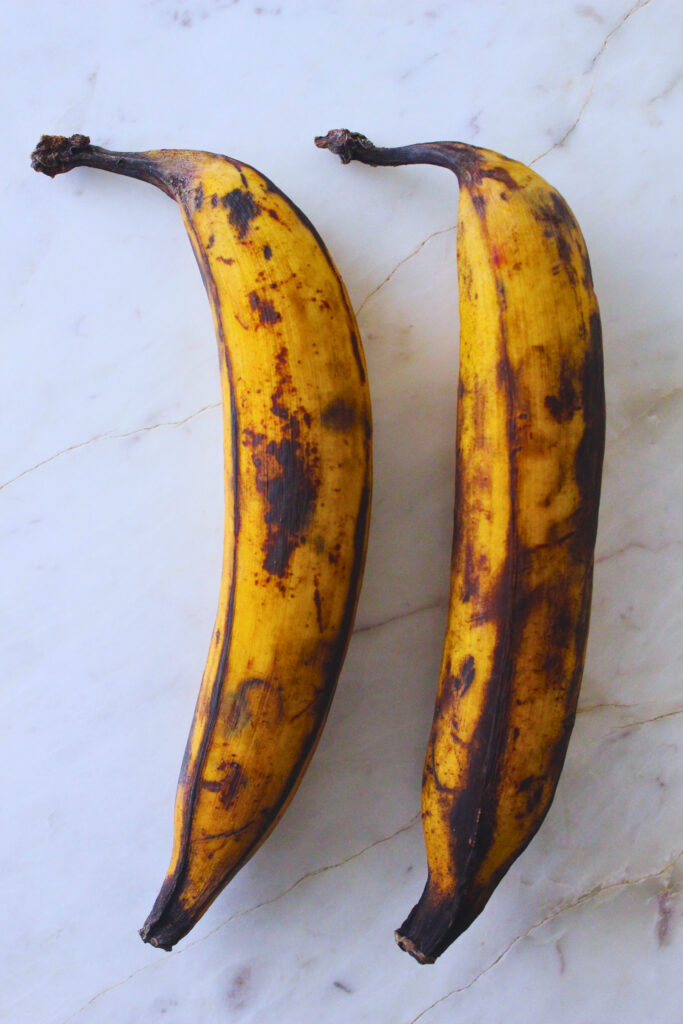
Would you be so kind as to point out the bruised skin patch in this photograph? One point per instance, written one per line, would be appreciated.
(551, 211)
(563, 405)
(234, 779)
(251, 694)
(338, 415)
(243, 210)
(479, 204)
(532, 787)
(466, 677)
(267, 312)
(287, 479)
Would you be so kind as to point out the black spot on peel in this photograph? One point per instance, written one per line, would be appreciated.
(587, 272)
(244, 180)
(266, 310)
(564, 251)
(228, 787)
(470, 587)
(279, 410)
(243, 210)
(286, 477)
(338, 415)
(284, 378)
(500, 174)
(458, 685)
(479, 204)
(501, 294)
(199, 197)
(532, 787)
(356, 352)
(239, 714)
(318, 608)
(290, 498)
(559, 223)
(214, 199)
(590, 450)
(563, 405)
(467, 673)
(267, 252)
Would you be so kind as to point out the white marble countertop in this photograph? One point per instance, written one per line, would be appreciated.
(112, 511)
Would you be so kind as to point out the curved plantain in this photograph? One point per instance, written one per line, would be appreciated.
(296, 416)
(529, 449)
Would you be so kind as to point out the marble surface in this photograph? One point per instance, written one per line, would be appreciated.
(111, 511)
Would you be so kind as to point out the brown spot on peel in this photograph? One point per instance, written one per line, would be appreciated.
(229, 786)
(563, 405)
(338, 415)
(479, 204)
(243, 210)
(286, 477)
(239, 714)
(318, 608)
(266, 310)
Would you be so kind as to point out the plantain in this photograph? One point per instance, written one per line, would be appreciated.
(529, 449)
(297, 456)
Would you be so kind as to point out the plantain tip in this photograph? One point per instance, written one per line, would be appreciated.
(153, 940)
(55, 154)
(408, 946)
(343, 143)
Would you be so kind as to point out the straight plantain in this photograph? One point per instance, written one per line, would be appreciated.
(297, 449)
(529, 449)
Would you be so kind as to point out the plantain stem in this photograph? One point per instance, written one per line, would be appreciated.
(56, 154)
(456, 156)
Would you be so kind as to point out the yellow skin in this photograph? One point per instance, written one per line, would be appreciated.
(529, 446)
(297, 489)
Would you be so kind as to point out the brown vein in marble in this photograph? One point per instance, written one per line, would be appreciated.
(584, 898)
(596, 57)
(667, 89)
(610, 35)
(636, 545)
(107, 437)
(607, 706)
(242, 913)
(647, 721)
(309, 874)
(569, 131)
(402, 615)
(441, 231)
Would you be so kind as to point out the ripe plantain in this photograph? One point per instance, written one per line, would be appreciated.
(296, 418)
(529, 449)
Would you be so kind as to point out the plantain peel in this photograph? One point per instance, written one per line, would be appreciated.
(529, 450)
(297, 448)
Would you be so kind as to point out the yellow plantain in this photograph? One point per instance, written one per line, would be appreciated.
(529, 449)
(296, 417)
